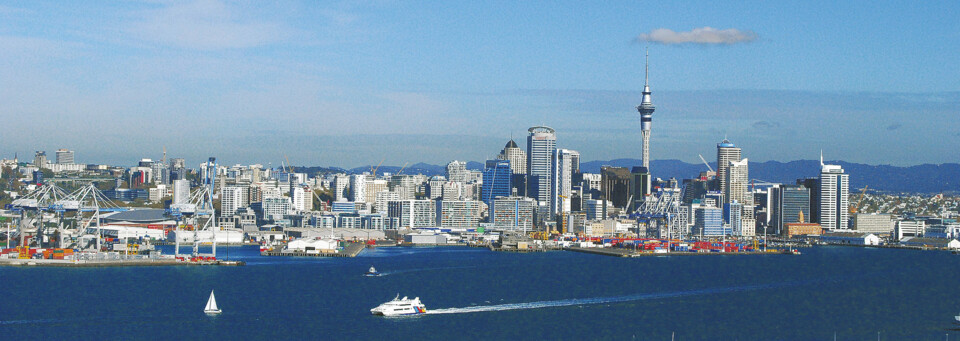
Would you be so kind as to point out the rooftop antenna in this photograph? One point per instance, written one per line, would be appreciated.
(821, 157)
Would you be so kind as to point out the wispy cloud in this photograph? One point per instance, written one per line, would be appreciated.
(894, 126)
(207, 25)
(766, 125)
(701, 36)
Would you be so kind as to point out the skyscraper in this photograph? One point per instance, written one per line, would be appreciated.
(564, 163)
(518, 159)
(496, 181)
(540, 146)
(358, 188)
(834, 189)
(786, 204)
(726, 152)
(646, 109)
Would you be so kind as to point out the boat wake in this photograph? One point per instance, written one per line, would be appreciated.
(396, 272)
(603, 300)
(38, 321)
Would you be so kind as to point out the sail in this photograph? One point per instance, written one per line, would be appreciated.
(211, 303)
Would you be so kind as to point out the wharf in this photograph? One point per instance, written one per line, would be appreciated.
(618, 252)
(351, 250)
(518, 250)
(87, 263)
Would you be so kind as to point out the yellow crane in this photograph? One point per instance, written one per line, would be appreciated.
(856, 208)
(374, 169)
(289, 168)
(561, 225)
(402, 168)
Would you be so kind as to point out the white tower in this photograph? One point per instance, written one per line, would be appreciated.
(646, 109)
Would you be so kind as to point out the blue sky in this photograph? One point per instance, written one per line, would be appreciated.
(351, 83)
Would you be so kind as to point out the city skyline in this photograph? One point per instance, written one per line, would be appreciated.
(346, 85)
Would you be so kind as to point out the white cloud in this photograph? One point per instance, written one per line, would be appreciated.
(702, 36)
(207, 25)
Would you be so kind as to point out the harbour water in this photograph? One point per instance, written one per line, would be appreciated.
(473, 293)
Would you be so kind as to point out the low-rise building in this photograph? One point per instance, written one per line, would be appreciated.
(939, 243)
(850, 238)
(801, 229)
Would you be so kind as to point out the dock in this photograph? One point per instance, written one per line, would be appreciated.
(351, 250)
(86, 263)
(620, 252)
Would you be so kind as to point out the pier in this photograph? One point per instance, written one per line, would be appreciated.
(351, 250)
(81, 263)
(620, 252)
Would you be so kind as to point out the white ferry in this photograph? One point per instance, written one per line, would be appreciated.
(400, 306)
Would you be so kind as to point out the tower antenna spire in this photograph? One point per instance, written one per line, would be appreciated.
(646, 69)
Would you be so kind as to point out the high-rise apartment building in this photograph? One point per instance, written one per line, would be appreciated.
(64, 156)
(461, 214)
(786, 205)
(564, 164)
(413, 213)
(373, 187)
(541, 143)
(358, 188)
(231, 199)
(181, 191)
(514, 213)
(457, 171)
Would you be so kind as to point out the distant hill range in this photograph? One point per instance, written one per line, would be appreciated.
(926, 178)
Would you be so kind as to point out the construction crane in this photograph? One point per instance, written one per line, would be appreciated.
(374, 169)
(289, 168)
(855, 209)
(705, 163)
(402, 168)
(563, 215)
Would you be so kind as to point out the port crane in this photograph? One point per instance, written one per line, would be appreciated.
(198, 213)
(661, 212)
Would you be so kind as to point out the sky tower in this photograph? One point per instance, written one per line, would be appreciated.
(646, 109)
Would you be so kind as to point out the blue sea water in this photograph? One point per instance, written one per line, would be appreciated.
(473, 293)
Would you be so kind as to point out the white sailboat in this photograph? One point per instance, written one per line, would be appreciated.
(211, 308)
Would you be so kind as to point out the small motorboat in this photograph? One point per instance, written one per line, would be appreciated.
(400, 306)
(211, 308)
(372, 272)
